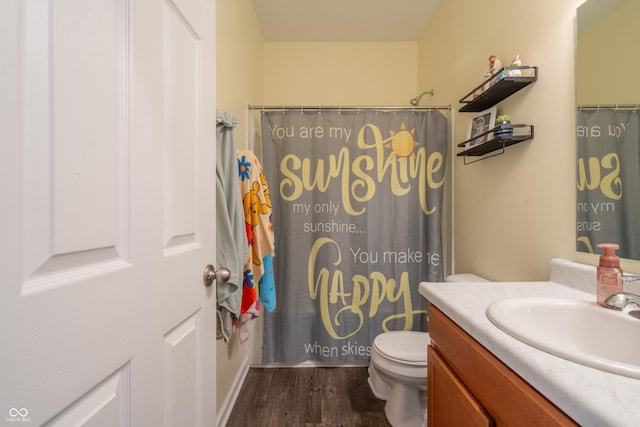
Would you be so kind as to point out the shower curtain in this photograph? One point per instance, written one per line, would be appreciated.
(608, 182)
(357, 204)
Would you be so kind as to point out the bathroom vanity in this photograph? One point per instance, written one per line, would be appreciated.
(481, 376)
(468, 386)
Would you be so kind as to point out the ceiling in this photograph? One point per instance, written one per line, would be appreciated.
(343, 20)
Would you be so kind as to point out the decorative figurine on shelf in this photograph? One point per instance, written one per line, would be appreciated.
(494, 66)
(515, 62)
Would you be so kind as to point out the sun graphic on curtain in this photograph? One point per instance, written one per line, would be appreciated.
(402, 143)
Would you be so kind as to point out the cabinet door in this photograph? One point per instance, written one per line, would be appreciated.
(450, 404)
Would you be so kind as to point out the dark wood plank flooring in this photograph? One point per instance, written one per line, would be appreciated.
(329, 397)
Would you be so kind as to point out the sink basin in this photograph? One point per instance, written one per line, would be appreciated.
(579, 331)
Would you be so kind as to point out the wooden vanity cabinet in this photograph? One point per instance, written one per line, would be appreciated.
(469, 386)
(450, 402)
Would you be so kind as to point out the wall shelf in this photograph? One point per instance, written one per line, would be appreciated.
(491, 143)
(507, 81)
(499, 86)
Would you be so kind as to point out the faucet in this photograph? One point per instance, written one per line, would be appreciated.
(620, 300)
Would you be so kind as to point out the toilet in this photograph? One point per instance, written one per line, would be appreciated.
(398, 374)
(398, 371)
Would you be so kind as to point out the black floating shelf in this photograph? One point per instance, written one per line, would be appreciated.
(500, 89)
(521, 132)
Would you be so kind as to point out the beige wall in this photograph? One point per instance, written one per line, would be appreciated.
(514, 212)
(239, 83)
(340, 73)
(240, 61)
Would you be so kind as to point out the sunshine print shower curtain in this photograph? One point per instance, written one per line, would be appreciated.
(357, 205)
(608, 181)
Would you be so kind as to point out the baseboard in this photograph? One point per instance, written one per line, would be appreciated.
(227, 406)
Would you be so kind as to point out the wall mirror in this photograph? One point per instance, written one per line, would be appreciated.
(607, 126)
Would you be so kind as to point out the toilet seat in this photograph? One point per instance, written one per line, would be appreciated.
(405, 347)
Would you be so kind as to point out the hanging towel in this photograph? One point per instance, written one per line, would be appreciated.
(258, 282)
(232, 250)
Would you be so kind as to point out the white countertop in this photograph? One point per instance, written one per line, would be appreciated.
(590, 396)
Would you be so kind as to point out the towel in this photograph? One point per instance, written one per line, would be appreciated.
(232, 250)
(258, 283)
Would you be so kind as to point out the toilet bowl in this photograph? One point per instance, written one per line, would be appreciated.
(398, 374)
(398, 371)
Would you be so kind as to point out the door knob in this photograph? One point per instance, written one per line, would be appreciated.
(210, 274)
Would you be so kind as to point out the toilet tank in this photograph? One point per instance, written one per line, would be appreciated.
(465, 277)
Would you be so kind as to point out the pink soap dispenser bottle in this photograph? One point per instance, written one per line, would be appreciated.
(609, 272)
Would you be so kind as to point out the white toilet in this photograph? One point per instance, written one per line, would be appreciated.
(398, 371)
(398, 374)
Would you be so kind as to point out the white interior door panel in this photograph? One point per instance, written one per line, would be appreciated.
(107, 212)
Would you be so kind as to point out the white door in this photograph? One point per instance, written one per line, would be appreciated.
(107, 160)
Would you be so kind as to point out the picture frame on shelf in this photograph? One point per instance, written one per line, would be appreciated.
(480, 123)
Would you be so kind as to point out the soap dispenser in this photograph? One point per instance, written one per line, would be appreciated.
(609, 272)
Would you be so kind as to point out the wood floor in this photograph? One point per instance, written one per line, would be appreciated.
(331, 397)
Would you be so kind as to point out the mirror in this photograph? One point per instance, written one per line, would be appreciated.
(607, 126)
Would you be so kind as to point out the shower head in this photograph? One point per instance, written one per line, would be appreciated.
(415, 101)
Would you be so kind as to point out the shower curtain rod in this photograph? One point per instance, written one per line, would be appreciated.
(346, 107)
(612, 106)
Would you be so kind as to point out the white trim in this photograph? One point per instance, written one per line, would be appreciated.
(232, 395)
